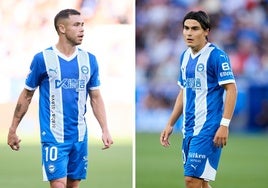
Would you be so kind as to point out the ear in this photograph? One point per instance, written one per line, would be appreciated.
(61, 28)
(207, 32)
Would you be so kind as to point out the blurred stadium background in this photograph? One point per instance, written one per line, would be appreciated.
(27, 28)
(109, 31)
(240, 27)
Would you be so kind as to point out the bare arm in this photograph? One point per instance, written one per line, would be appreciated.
(98, 108)
(230, 100)
(23, 103)
(176, 113)
(222, 133)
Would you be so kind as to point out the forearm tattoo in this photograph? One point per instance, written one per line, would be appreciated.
(19, 111)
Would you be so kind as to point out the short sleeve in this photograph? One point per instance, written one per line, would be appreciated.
(37, 70)
(223, 68)
(94, 81)
(180, 79)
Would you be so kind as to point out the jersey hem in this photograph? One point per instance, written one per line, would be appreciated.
(29, 88)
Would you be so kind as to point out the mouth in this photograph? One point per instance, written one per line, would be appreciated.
(80, 36)
(189, 40)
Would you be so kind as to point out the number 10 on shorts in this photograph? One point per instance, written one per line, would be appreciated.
(51, 153)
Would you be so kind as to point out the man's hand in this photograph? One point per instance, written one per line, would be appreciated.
(13, 140)
(107, 140)
(165, 136)
(221, 136)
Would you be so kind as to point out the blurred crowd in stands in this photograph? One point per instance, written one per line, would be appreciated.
(27, 27)
(239, 27)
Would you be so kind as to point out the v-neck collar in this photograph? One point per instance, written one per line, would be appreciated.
(69, 58)
(200, 51)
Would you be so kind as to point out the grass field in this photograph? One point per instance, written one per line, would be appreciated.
(108, 168)
(244, 162)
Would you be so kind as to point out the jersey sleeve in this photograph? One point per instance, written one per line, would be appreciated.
(223, 68)
(94, 81)
(180, 79)
(37, 69)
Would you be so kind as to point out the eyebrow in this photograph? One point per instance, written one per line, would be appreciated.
(193, 27)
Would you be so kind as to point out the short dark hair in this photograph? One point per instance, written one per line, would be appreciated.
(63, 14)
(199, 16)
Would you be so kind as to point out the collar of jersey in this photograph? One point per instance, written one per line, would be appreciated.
(64, 56)
(200, 51)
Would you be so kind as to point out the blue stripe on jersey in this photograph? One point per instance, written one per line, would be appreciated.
(200, 77)
(64, 85)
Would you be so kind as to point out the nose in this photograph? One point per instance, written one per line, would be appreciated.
(188, 32)
(82, 29)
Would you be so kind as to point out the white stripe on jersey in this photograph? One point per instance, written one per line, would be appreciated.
(83, 61)
(183, 67)
(200, 99)
(56, 108)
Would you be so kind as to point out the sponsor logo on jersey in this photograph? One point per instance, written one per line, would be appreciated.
(225, 66)
(193, 83)
(196, 155)
(70, 84)
(228, 73)
(52, 111)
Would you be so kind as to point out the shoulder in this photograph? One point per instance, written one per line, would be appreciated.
(217, 51)
(186, 53)
(90, 55)
(40, 55)
(39, 58)
(93, 63)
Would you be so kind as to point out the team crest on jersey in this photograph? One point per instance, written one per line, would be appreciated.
(51, 168)
(200, 67)
(84, 69)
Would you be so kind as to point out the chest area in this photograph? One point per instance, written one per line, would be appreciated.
(67, 74)
(194, 67)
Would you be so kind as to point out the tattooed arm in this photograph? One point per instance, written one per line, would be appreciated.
(20, 110)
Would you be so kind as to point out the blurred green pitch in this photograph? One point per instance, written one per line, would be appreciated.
(244, 162)
(107, 168)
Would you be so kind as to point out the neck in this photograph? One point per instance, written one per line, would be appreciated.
(196, 49)
(66, 49)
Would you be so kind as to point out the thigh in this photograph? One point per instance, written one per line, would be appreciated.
(78, 161)
(201, 158)
(54, 160)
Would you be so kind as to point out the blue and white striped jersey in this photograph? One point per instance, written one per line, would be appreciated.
(63, 84)
(201, 78)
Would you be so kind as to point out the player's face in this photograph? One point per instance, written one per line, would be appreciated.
(74, 29)
(194, 35)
